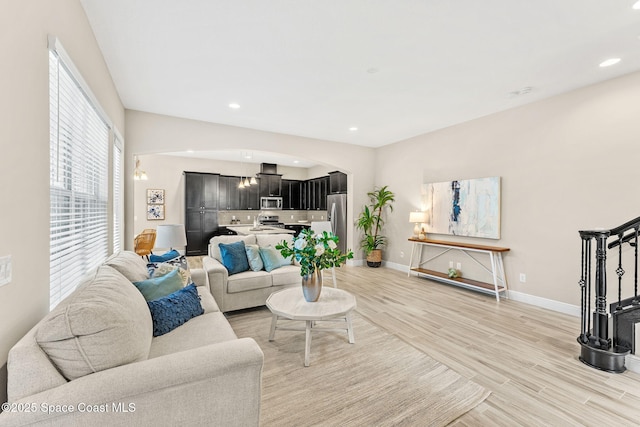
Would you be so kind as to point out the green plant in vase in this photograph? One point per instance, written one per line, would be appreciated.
(314, 253)
(371, 222)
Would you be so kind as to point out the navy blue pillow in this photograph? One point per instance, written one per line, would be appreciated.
(164, 257)
(234, 257)
(175, 309)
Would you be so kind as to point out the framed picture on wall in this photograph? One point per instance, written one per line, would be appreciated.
(155, 196)
(155, 212)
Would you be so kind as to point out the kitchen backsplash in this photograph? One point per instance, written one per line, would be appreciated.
(246, 217)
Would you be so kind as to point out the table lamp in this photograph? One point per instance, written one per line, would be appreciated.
(170, 236)
(418, 218)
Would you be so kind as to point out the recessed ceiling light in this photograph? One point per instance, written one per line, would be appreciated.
(189, 151)
(234, 105)
(636, 6)
(296, 161)
(353, 128)
(372, 70)
(609, 62)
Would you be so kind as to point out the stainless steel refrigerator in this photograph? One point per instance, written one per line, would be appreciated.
(337, 215)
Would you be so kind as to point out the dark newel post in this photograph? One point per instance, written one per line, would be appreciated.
(600, 319)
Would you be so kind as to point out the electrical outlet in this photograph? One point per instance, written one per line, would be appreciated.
(523, 278)
(401, 254)
(248, 217)
(450, 264)
(313, 217)
(291, 216)
(459, 266)
(321, 216)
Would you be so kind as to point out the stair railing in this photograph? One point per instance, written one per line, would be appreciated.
(598, 349)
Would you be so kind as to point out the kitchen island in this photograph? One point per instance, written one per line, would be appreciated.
(244, 230)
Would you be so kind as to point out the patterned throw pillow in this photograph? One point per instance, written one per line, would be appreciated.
(163, 268)
(171, 311)
(180, 261)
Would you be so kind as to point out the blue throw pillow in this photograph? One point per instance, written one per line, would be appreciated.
(234, 257)
(159, 287)
(272, 259)
(164, 257)
(174, 310)
(253, 255)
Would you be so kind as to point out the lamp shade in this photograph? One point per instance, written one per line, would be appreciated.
(418, 217)
(170, 236)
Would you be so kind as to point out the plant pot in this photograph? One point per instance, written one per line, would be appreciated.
(374, 258)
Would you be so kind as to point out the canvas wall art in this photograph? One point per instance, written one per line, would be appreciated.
(468, 207)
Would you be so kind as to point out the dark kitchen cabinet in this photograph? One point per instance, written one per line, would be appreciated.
(250, 197)
(291, 194)
(315, 193)
(201, 210)
(270, 184)
(337, 183)
(229, 193)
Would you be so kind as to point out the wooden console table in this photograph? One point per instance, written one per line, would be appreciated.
(496, 269)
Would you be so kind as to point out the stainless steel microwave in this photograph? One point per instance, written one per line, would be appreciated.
(270, 202)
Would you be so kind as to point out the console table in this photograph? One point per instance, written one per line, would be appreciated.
(496, 268)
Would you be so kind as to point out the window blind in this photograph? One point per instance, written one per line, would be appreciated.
(117, 194)
(79, 159)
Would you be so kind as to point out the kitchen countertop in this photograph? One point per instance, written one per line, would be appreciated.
(244, 230)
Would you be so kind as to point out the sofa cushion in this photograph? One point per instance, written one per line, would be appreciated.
(249, 280)
(286, 275)
(210, 328)
(264, 240)
(174, 310)
(234, 257)
(103, 324)
(272, 259)
(158, 287)
(214, 250)
(130, 265)
(253, 255)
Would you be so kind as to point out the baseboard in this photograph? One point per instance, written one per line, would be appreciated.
(632, 363)
(549, 304)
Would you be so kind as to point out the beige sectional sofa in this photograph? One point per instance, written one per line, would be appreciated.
(249, 288)
(93, 361)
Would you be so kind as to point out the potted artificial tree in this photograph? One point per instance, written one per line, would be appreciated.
(370, 222)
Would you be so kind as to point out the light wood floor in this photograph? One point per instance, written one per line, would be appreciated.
(526, 356)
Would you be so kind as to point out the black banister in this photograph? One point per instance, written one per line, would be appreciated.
(597, 348)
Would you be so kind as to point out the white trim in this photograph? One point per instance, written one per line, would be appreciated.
(395, 266)
(562, 307)
(55, 46)
(632, 363)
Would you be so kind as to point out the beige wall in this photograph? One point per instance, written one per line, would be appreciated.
(24, 139)
(567, 163)
(151, 133)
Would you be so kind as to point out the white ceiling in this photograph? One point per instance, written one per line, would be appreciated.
(393, 68)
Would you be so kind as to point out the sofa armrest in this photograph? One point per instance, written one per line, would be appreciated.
(217, 384)
(218, 278)
(199, 277)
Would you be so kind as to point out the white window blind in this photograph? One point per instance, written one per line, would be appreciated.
(117, 194)
(79, 151)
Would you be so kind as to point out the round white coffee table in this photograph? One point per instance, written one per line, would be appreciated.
(333, 305)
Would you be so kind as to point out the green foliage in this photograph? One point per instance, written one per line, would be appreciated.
(314, 251)
(371, 218)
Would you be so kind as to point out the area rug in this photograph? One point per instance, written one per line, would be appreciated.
(378, 381)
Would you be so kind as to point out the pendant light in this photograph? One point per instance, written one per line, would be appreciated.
(253, 180)
(139, 174)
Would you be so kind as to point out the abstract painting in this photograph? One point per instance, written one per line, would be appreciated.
(155, 197)
(468, 207)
